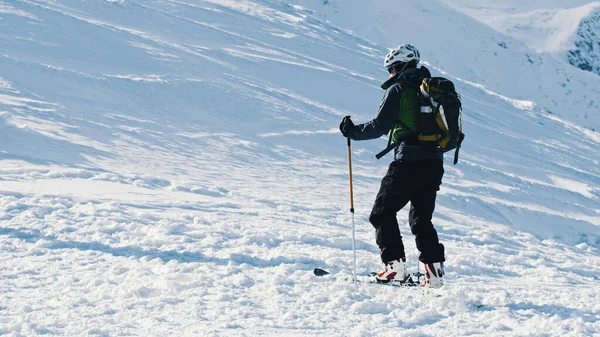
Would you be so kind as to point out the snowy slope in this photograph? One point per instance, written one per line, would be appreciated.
(508, 54)
(568, 30)
(173, 168)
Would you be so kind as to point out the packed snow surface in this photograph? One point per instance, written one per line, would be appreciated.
(174, 168)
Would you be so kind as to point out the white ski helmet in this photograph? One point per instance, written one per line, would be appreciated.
(402, 53)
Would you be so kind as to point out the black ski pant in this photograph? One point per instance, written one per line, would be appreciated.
(417, 182)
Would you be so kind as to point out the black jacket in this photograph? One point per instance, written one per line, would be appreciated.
(388, 115)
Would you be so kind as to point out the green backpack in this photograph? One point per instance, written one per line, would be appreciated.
(440, 118)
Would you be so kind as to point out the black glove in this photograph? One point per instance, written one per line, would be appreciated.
(347, 127)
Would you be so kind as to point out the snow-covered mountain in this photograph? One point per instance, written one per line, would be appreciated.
(174, 168)
(521, 50)
(586, 54)
(569, 31)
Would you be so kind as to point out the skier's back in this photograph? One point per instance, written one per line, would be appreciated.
(415, 174)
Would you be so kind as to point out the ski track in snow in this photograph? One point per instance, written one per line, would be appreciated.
(175, 170)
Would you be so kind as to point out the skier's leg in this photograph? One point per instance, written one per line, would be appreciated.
(421, 211)
(392, 196)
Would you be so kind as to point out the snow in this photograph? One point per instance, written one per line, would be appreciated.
(515, 35)
(546, 29)
(174, 168)
(566, 31)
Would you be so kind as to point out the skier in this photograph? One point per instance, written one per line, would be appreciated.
(415, 174)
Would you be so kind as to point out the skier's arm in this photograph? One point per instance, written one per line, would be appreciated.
(386, 117)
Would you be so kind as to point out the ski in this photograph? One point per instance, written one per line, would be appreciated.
(320, 272)
(370, 278)
(407, 283)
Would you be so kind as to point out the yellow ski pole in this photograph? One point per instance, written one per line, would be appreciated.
(352, 210)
